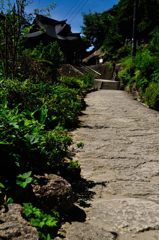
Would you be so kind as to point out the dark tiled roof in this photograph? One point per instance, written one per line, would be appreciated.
(53, 28)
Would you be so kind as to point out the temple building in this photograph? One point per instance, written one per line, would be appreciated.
(47, 30)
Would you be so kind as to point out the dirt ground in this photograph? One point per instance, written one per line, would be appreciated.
(120, 166)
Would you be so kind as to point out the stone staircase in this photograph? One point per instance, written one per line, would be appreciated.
(106, 84)
(102, 75)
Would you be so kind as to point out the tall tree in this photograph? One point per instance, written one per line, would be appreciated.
(114, 27)
(94, 29)
(98, 26)
(11, 22)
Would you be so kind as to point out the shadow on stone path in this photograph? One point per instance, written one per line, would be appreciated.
(120, 161)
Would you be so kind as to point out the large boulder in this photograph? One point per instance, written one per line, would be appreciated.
(13, 226)
(53, 191)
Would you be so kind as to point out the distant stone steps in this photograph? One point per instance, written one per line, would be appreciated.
(107, 84)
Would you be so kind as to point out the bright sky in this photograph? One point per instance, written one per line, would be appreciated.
(72, 10)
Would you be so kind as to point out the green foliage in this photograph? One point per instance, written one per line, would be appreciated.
(147, 18)
(36, 108)
(37, 70)
(124, 51)
(145, 76)
(80, 145)
(20, 135)
(63, 107)
(101, 29)
(72, 82)
(112, 29)
(14, 60)
(154, 43)
(25, 145)
(4, 198)
(155, 76)
(33, 139)
(88, 81)
(2, 194)
(32, 122)
(52, 104)
(50, 52)
(154, 49)
(128, 63)
(14, 24)
(152, 95)
(74, 164)
(25, 94)
(46, 11)
(25, 179)
(141, 83)
(91, 29)
(10, 36)
(144, 62)
(126, 73)
(55, 147)
(82, 83)
(45, 223)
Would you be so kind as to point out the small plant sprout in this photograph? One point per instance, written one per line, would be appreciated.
(80, 145)
(74, 164)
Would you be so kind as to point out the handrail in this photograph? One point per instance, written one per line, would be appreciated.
(92, 70)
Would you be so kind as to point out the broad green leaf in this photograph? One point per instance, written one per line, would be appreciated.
(10, 200)
(1, 185)
(25, 175)
(4, 143)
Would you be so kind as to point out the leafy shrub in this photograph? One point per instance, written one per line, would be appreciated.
(26, 146)
(141, 84)
(140, 81)
(154, 43)
(63, 107)
(124, 51)
(2, 193)
(144, 62)
(155, 76)
(128, 63)
(41, 62)
(72, 82)
(152, 95)
(24, 94)
(4, 198)
(25, 179)
(80, 144)
(74, 164)
(45, 223)
(55, 148)
(137, 74)
(37, 70)
(88, 80)
(16, 146)
(50, 52)
(127, 72)
(80, 83)
(62, 104)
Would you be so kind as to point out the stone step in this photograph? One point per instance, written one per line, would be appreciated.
(107, 84)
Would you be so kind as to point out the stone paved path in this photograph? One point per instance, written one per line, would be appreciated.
(121, 159)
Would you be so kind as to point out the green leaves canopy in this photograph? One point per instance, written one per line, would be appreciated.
(113, 28)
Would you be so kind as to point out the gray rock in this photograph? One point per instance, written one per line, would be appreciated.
(84, 231)
(147, 235)
(124, 215)
(53, 192)
(13, 226)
